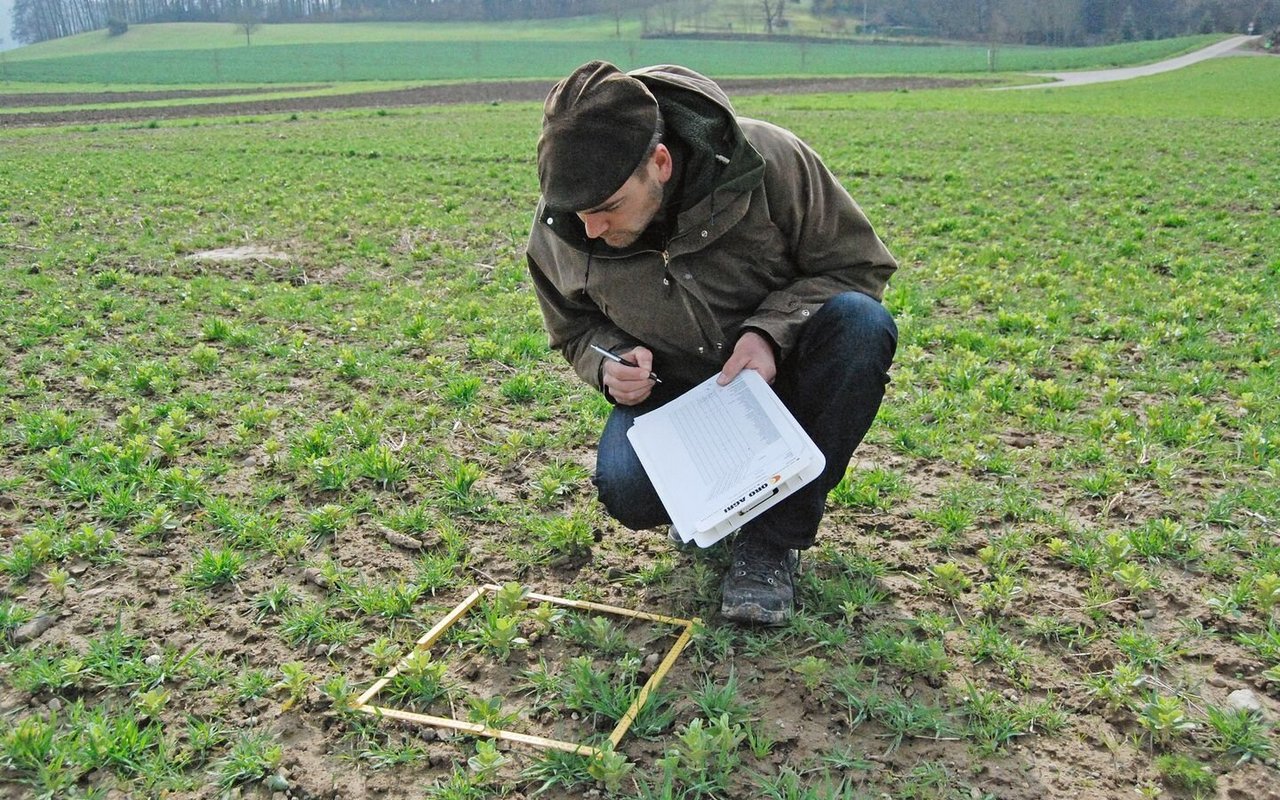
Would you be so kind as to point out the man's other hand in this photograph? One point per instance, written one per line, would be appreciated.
(630, 385)
(752, 351)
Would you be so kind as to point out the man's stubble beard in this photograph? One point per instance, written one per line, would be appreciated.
(653, 198)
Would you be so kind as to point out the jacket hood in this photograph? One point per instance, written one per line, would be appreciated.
(673, 85)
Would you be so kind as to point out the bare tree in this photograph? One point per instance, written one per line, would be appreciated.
(247, 21)
(773, 12)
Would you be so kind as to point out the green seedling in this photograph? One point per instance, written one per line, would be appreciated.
(949, 579)
(421, 680)
(1185, 772)
(545, 617)
(58, 579)
(315, 623)
(1242, 734)
(1134, 578)
(295, 682)
(383, 652)
(488, 712)
(1266, 592)
(1119, 688)
(392, 601)
(998, 596)
(812, 670)
(718, 698)
(520, 389)
(609, 768)
(252, 757)
(151, 703)
(1164, 718)
(156, 523)
(562, 538)
(599, 634)
(459, 485)
(382, 465)
(558, 769)
(462, 392)
(558, 481)
(327, 520)
(509, 599)
(275, 600)
(486, 762)
(215, 567)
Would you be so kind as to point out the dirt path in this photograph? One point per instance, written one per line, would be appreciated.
(1126, 73)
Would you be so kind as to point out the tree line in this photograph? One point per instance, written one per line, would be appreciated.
(1063, 22)
(1057, 22)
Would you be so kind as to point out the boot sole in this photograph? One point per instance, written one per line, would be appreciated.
(755, 614)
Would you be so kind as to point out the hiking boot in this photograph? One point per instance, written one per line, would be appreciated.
(760, 584)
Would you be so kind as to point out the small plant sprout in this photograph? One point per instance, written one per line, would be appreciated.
(949, 579)
(520, 389)
(499, 634)
(252, 757)
(205, 358)
(707, 752)
(1164, 719)
(487, 711)
(382, 465)
(563, 539)
(58, 580)
(152, 702)
(812, 670)
(458, 483)
(1118, 688)
(463, 391)
(215, 567)
(998, 596)
(156, 523)
(609, 768)
(509, 599)
(598, 633)
(715, 698)
(339, 691)
(275, 600)
(327, 520)
(876, 488)
(383, 652)
(1266, 592)
(1184, 772)
(759, 740)
(294, 681)
(558, 481)
(544, 618)
(420, 681)
(1134, 578)
(486, 762)
(1240, 733)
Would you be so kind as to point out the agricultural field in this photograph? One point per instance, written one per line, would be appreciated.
(212, 53)
(278, 398)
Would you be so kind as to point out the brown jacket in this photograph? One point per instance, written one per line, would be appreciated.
(776, 238)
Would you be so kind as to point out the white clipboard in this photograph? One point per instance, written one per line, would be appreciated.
(720, 456)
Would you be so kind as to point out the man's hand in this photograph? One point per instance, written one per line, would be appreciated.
(752, 351)
(630, 385)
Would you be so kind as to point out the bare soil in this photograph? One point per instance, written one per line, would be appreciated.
(485, 92)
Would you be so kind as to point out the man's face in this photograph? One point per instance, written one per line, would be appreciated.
(622, 218)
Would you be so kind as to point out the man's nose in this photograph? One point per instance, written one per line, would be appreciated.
(595, 225)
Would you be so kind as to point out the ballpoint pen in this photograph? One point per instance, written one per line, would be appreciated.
(624, 362)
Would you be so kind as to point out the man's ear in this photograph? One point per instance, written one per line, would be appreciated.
(662, 160)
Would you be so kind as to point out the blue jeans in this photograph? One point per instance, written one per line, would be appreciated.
(833, 383)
